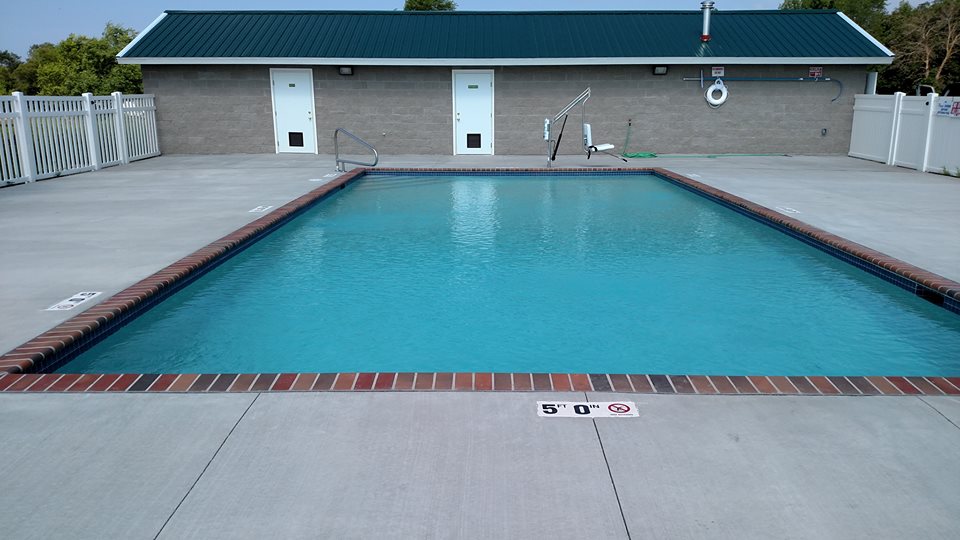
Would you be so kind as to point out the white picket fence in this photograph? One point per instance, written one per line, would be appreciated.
(47, 136)
(907, 131)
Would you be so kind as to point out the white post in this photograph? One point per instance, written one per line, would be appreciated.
(931, 110)
(93, 139)
(895, 130)
(871, 87)
(24, 138)
(121, 129)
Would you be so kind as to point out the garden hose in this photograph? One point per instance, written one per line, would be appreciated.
(626, 143)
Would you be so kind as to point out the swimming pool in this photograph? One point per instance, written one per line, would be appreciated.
(603, 274)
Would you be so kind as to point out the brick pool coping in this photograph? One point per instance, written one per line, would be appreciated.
(55, 347)
(478, 382)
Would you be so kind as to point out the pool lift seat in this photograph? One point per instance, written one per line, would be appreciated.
(587, 133)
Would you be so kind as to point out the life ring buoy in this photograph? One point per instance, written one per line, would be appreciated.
(718, 86)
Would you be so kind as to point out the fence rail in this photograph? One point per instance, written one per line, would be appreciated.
(919, 132)
(47, 136)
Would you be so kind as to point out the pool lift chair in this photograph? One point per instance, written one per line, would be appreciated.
(587, 139)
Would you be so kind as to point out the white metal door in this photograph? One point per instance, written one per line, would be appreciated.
(473, 112)
(293, 110)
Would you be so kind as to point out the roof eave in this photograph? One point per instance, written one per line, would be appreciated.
(449, 62)
(876, 43)
(141, 35)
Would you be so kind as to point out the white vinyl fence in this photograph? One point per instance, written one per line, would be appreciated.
(47, 136)
(919, 132)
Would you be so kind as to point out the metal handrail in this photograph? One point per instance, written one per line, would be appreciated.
(582, 98)
(336, 149)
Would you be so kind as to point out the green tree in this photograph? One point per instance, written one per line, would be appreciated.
(8, 64)
(926, 41)
(429, 5)
(869, 14)
(78, 64)
(25, 75)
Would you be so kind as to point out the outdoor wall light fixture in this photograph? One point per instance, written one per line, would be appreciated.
(659, 70)
(346, 70)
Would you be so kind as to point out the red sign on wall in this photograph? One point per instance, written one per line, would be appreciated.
(816, 71)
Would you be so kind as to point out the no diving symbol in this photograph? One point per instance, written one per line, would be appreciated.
(618, 408)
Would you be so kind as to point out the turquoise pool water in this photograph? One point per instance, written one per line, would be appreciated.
(606, 274)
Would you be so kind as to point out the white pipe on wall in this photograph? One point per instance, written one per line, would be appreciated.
(871, 87)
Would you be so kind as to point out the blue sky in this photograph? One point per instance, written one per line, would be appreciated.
(24, 22)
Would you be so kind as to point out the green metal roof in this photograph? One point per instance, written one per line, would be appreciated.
(459, 35)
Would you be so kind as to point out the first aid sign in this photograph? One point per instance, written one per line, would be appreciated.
(587, 409)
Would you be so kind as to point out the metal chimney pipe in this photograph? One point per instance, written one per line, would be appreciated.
(706, 7)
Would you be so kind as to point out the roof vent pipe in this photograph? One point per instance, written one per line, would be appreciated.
(706, 7)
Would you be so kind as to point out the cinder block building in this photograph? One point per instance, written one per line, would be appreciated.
(483, 82)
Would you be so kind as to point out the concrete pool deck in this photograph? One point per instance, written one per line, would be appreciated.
(446, 464)
(456, 465)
